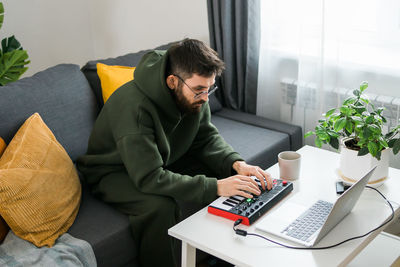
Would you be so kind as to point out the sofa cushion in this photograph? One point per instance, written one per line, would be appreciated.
(294, 132)
(258, 146)
(64, 99)
(130, 60)
(107, 231)
(112, 77)
(40, 190)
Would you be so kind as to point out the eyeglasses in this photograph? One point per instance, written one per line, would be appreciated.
(211, 90)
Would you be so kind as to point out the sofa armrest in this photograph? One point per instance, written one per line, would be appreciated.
(295, 132)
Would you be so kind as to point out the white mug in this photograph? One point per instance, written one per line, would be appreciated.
(289, 165)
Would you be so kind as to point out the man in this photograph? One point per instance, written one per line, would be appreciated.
(153, 144)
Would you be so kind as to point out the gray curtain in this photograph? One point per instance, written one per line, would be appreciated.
(235, 34)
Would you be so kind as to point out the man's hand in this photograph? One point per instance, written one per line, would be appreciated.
(237, 185)
(243, 168)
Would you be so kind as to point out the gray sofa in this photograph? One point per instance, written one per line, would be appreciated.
(68, 99)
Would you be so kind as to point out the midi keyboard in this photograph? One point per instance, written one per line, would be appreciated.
(250, 209)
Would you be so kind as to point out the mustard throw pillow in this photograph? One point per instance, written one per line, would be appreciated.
(112, 77)
(3, 226)
(39, 186)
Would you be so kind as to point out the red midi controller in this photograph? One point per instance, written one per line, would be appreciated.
(250, 209)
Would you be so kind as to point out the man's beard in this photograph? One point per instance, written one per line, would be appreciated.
(184, 105)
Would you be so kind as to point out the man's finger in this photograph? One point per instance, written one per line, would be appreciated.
(244, 194)
(260, 177)
(248, 179)
(249, 187)
(268, 179)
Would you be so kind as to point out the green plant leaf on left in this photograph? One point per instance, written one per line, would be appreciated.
(10, 44)
(12, 66)
(1, 14)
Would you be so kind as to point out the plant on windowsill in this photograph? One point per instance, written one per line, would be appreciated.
(13, 57)
(358, 126)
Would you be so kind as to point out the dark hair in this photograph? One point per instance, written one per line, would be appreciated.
(191, 56)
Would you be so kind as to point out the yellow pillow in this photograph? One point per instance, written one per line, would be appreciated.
(112, 77)
(40, 190)
(3, 225)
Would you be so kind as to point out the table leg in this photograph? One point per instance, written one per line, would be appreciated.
(188, 255)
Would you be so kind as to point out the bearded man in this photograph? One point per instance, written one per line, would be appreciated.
(153, 143)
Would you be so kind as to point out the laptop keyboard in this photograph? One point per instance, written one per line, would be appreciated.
(310, 221)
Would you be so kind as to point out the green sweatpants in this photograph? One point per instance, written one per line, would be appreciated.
(150, 215)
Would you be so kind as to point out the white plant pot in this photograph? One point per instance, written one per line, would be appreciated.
(353, 167)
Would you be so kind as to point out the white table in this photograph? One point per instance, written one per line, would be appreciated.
(215, 236)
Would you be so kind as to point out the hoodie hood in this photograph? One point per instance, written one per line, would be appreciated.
(150, 80)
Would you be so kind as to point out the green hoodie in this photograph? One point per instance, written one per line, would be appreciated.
(140, 132)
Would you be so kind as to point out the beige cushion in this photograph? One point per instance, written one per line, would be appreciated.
(39, 187)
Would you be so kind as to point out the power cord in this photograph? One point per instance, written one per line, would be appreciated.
(245, 233)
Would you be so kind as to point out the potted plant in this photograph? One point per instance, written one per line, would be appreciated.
(357, 127)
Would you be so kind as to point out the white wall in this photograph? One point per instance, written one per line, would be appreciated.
(75, 31)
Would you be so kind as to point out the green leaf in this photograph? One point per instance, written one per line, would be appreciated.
(1, 14)
(378, 155)
(318, 142)
(12, 66)
(322, 135)
(334, 142)
(363, 151)
(10, 44)
(330, 112)
(357, 93)
(366, 132)
(383, 142)
(391, 142)
(373, 148)
(366, 101)
(333, 134)
(309, 134)
(346, 111)
(349, 126)
(360, 110)
(363, 86)
(349, 100)
(356, 119)
(374, 128)
(379, 110)
(396, 146)
(389, 134)
(339, 124)
(369, 119)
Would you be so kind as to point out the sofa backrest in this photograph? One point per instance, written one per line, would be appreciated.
(63, 98)
(130, 60)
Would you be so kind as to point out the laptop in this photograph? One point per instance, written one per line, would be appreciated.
(307, 225)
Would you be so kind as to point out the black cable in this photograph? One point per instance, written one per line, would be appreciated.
(245, 233)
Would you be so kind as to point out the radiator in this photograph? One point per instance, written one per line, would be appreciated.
(307, 99)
